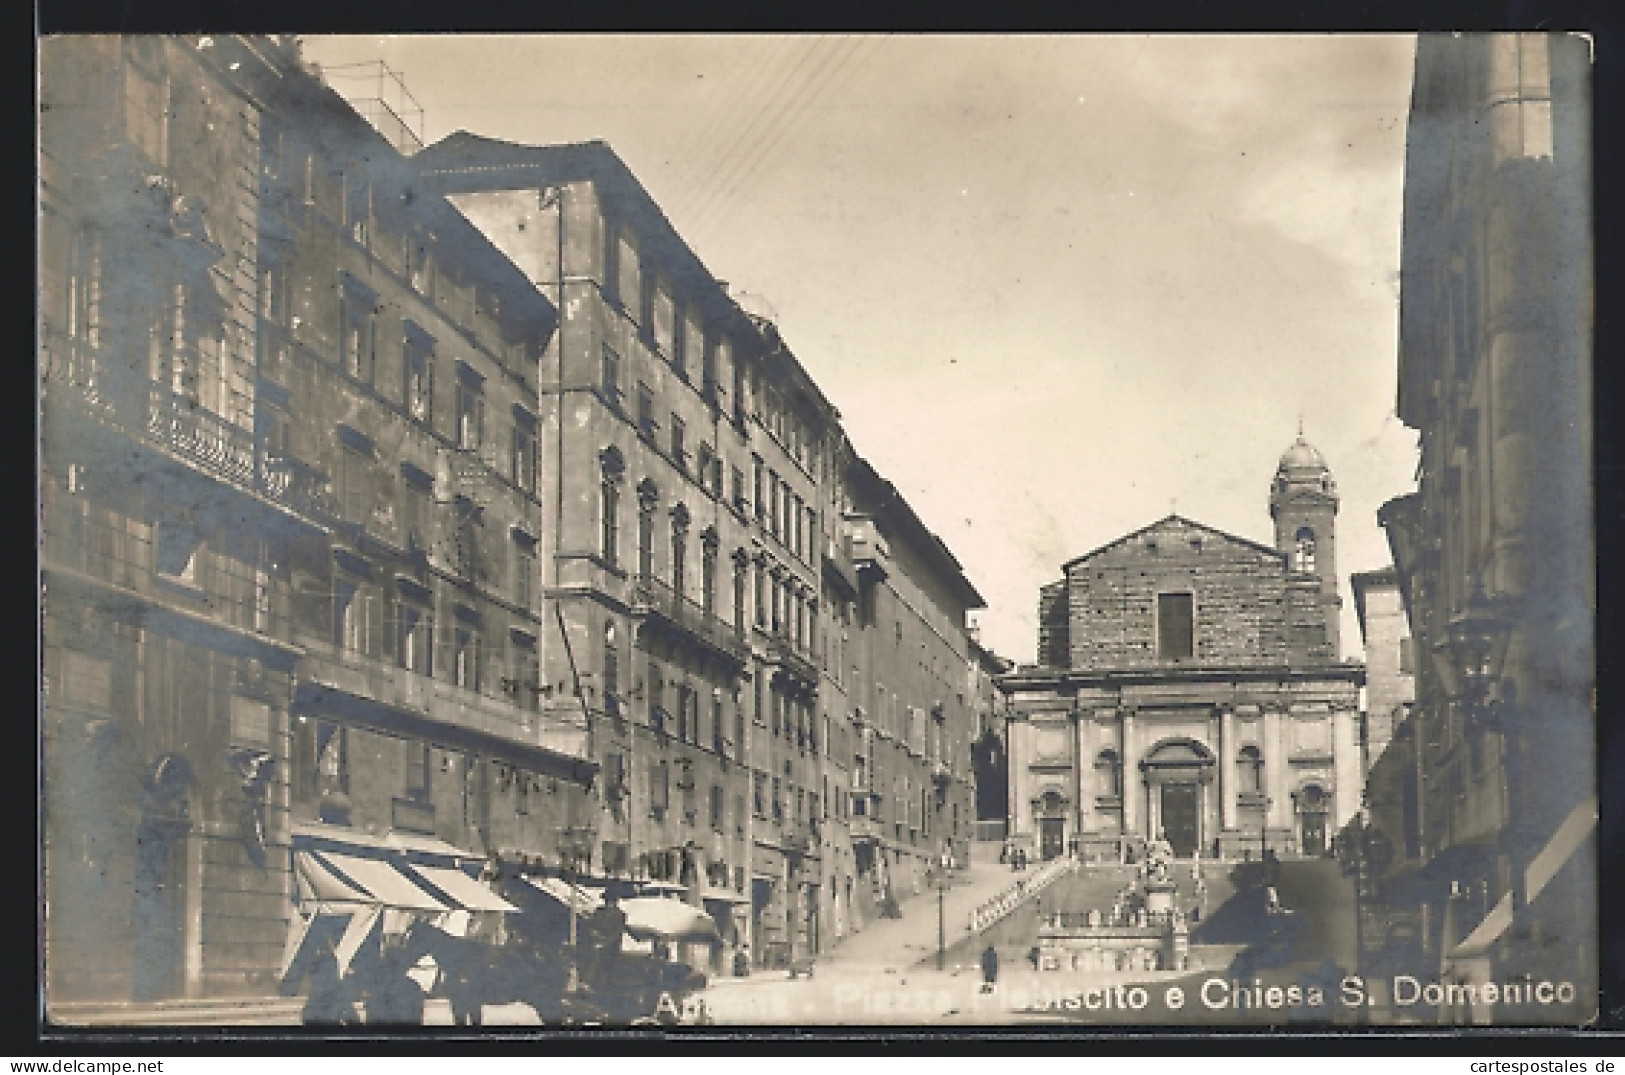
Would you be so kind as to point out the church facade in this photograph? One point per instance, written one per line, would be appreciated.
(1190, 684)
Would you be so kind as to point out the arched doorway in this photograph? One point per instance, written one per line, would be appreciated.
(1176, 773)
(1313, 807)
(1050, 810)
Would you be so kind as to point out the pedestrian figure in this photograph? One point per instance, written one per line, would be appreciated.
(990, 968)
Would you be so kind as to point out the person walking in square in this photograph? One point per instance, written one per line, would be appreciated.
(990, 968)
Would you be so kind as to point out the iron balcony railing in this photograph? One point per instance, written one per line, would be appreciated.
(781, 651)
(651, 596)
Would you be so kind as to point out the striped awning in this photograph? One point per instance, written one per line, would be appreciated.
(468, 893)
(384, 884)
(584, 900)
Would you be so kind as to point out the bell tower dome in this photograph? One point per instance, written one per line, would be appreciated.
(1303, 503)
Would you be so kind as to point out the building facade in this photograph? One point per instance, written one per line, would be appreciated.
(1390, 658)
(431, 509)
(723, 564)
(1482, 850)
(1189, 684)
(289, 507)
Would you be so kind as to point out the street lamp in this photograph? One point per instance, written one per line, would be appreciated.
(941, 880)
(575, 842)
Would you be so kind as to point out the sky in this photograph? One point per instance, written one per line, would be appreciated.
(1057, 286)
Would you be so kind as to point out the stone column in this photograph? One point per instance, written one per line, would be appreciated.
(1227, 767)
(1276, 769)
(1130, 771)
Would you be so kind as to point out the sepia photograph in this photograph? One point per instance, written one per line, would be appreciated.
(574, 531)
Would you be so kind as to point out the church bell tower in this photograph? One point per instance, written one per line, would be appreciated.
(1303, 503)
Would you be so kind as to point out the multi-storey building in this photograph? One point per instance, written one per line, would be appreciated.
(1189, 685)
(718, 560)
(291, 519)
(1390, 657)
(1482, 850)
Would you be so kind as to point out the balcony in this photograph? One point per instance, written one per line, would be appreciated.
(455, 716)
(658, 603)
(782, 652)
(200, 436)
(297, 485)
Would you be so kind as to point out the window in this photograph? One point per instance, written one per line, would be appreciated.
(523, 454)
(646, 530)
(418, 762)
(1406, 661)
(465, 664)
(612, 667)
(524, 568)
(679, 558)
(718, 820)
(703, 458)
(354, 472)
(646, 412)
(470, 413)
(1108, 773)
(357, 328)
(524, 670)
(756, 497)
(738, 486)
(679, 450)
(759, 795)
(415, 645)
(1175, 629)
(708, 573)
(740, 570)
(1250, 770)
(611, 468)
(1303, 553)
(418, 391)
(611, 384)
(708, 372)
(352, 606)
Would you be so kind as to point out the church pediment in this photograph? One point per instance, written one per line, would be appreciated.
(1171, 533)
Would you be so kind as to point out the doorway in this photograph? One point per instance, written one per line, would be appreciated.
(1051, 837)
(1179, 818)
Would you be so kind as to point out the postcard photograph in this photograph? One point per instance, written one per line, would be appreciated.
(882, 530)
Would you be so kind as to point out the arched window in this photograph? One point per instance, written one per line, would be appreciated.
(708, 571)
(679, 559)
(1303, 555)
(1250, 764)
(1109, 773)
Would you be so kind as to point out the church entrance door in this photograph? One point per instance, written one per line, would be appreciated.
(1179, 817)
(1051, 837)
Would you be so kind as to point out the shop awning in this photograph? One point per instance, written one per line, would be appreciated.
(723, 895)
(467, 892)
(385, 885)
(650, 918)
(318, 884)
(585, 901)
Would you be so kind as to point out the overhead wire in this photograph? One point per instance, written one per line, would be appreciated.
(832, 80)
(788, 92)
